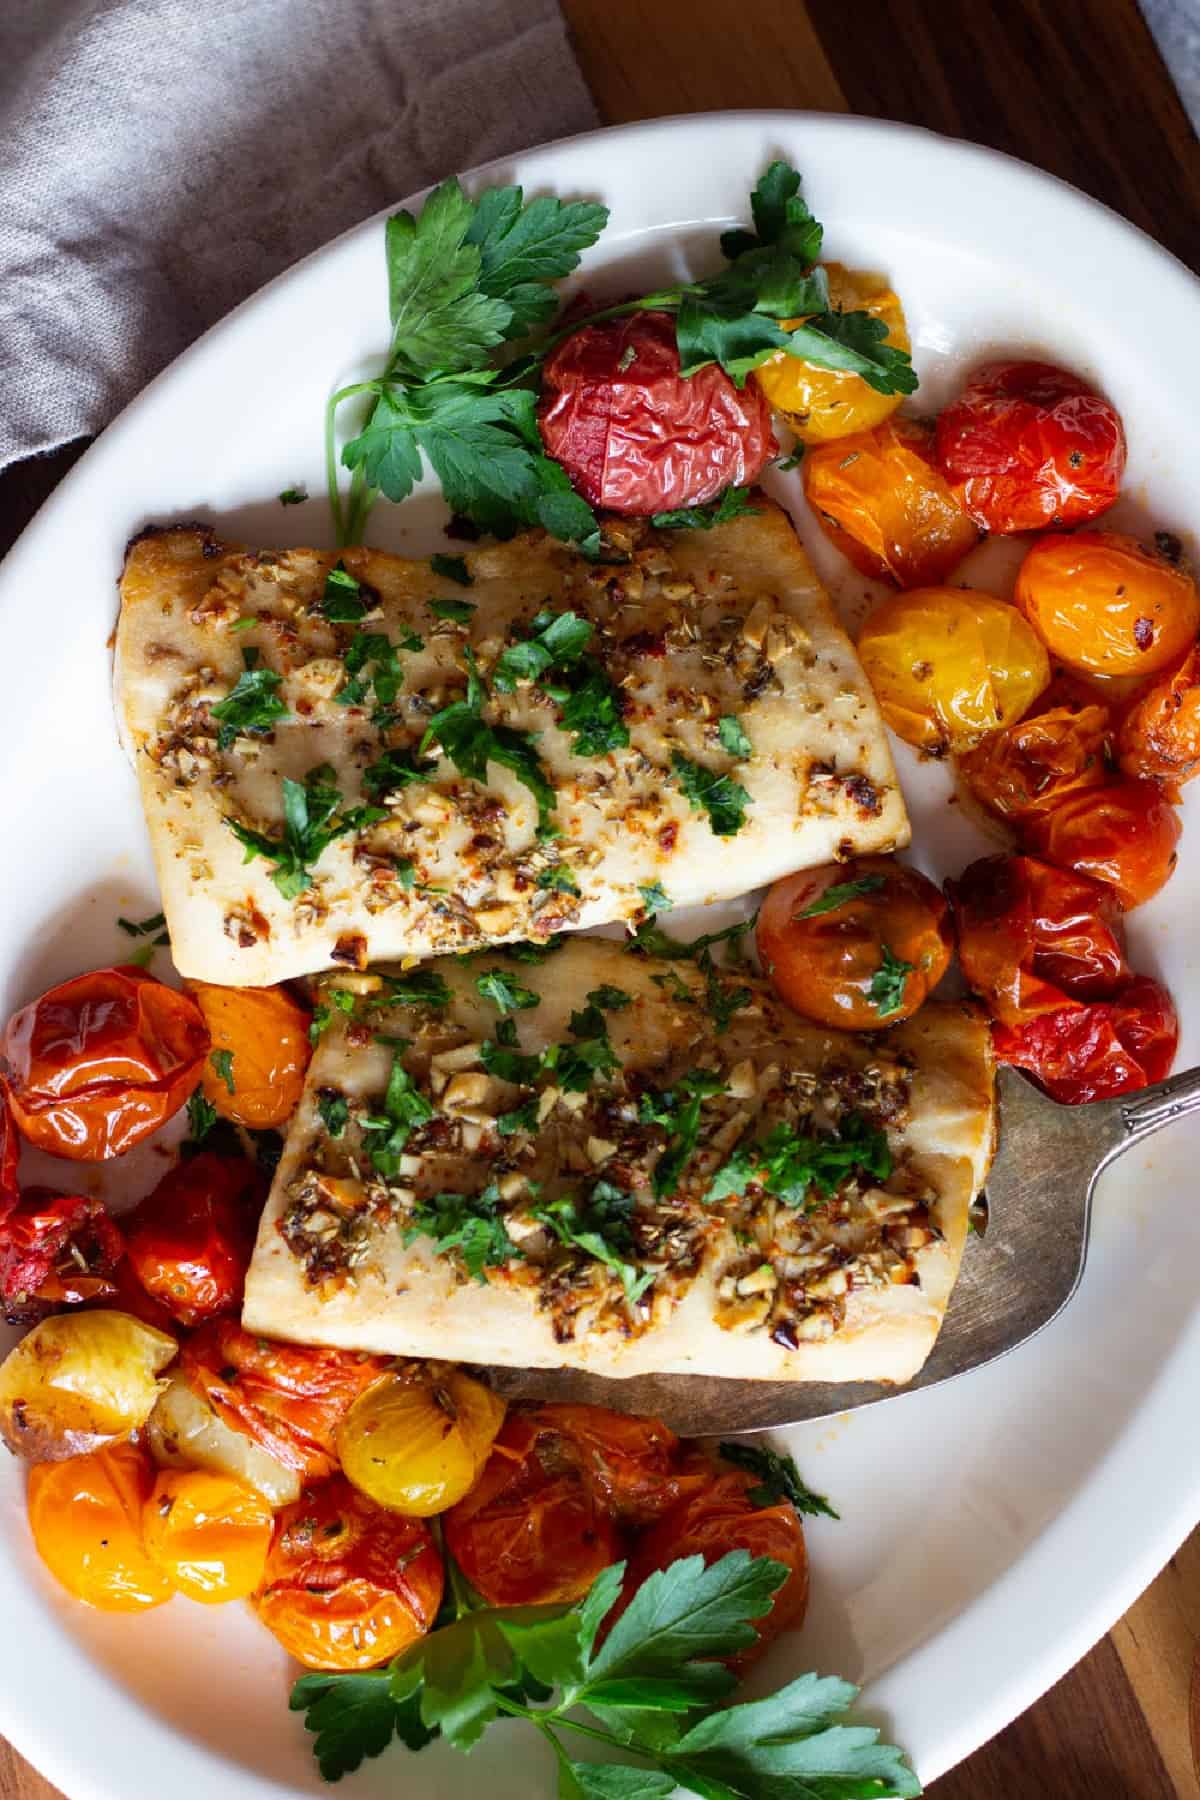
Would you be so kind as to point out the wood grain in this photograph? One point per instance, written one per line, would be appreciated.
(1077, 87)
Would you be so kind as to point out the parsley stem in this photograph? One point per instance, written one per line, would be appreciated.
(341, 520)
(666, 297)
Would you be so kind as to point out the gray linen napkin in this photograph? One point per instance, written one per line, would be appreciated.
(161, 159)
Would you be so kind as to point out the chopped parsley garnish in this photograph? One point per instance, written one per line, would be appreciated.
(671, 983)
(886, 992)
(394, 770)
(294, 496)
(419, 987)
(473, 1227)
(590, 1053)
(201, 1115)
(558, 879)
(839, 893)
(387, 1132)
(655, 897)
(721, 998)
(311, 822)
(222, 1064)
(533, 951)
(461, 612)
(334, 1109)
(732, 736)
(793, 459)
(589, 707)
(252, 706)
(333, 999)
(600, 1226)
(734, 503)
(652, 940)
(555, 641)
(371, 661)
(678, 1110)
(502, 1058)
(505, 992)
(720, 796)
(609, 998)
(471, 744)
(788, 1163)
(522, 1118)
(452, 568)
(341, 602)
(778, 1479)
(145, 927)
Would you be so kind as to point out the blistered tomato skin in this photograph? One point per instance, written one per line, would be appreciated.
(1053, 751)
(1099, 1051)
(10, 1151)
(1105, 606)
(348, 1585)
(98, 1063)
(265, 1034)
(208, 1534)
(1159, 737)
(417, 1440)
(821, 404)
(628, 1461)
(881, 500)
(824, 959)
(949, 665)
(190, 1241)
(1029, 445)
(86, 1520)
(1124, 834)
(636, 436)
(56, 1250)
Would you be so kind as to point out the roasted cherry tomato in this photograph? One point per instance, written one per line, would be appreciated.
(190, 1241)
(1032, 939)
(1124, 833)
(264, 1034)
(287, 1397)
(86, 1520)
(1061, 745)
(97, 1064)
(856, 945)
(716, 1516)
(1160, 734)
(56, 1250)
(1099, 1051)
(1030, 445)
(79, 1381)
(129, 1296)
(208, 1534)
(10, 1151)
(880, 498)
(533, 1529)
(418, 1438)
(634, 434)
(1103, 605)
(949, 665)
(628, 1461)
(348, 1584)
(829, 403)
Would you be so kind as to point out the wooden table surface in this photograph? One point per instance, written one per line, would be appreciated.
(1077, 87)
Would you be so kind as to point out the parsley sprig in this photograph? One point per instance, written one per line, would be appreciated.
(312, 819)
(778, 1479)
(789, 1163)
(472, 1226)
(600, 1225)
(252, 706)
(654, 1688)
(463, 735)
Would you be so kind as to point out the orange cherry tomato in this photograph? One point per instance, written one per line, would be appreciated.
(948, 665)
(348, 1585)
(264, 1032)
(628, 1461)
(1030, 445)
(98, 1063)
(1160, 734)
(56, 1250)
(1104, 605)
(208, 1533)
(1033, 939)
(716, 1516)
(533, 1530)
(10, 1151)
(1096, 1052)
(86, 1518)
(855, 945)
(1124, 833)
(190, 1241)
(287, 1397)
(1058, 747)
(881, 500)
(830, 403)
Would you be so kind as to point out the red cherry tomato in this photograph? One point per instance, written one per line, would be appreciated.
(190, 1241)
(56, 1250)
(634, 434)
(287, 1397)
(1096, 1052)
(534, 1529)
(627, 1460)
(1124, 833)
(10, 1151)
(1032, 939)
(1031, 445)
(1160, 734)
(98, 1063)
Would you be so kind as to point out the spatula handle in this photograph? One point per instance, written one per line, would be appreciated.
(1160, 1105)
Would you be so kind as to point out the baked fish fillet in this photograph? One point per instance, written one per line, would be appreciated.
(691, 629)
(489, 1186)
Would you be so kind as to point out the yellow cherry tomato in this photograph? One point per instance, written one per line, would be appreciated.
(254, 1073)
(208, 1534)
(948, 665)
(417, 1440)
(86, 1520)
(828, 403)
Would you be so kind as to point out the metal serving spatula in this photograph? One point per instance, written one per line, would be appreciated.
(1015, 1276)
